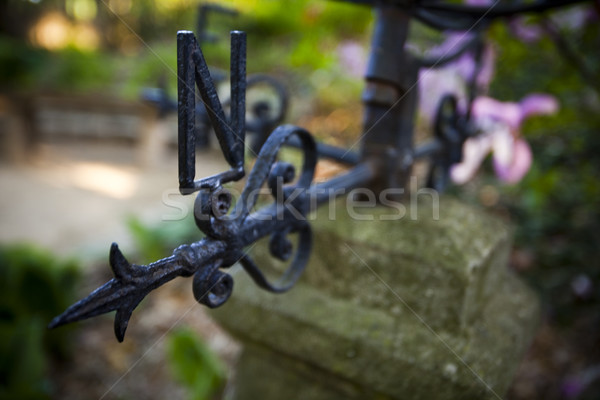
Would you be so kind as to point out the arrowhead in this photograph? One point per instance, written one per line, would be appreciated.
(125, 291)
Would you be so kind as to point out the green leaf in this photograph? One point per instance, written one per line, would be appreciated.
(194, 364)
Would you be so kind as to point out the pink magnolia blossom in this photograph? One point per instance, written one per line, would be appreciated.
(453, 77)
(527, 32)
(433, 85)
(352, 57)
(501, 123)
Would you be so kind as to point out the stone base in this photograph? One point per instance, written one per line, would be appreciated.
(413, 308)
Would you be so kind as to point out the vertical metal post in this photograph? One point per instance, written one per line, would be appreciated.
(238, 91)
(186, 109)
(390, 101)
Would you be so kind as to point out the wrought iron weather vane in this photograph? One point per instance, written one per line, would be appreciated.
(385, 161)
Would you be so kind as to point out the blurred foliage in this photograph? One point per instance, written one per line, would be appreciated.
(158, 241)
(24, 67)
(195, 365)
(191, 361)
(136, 45)
(35, 287)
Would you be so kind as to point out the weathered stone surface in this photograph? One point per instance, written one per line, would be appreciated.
(412, 308)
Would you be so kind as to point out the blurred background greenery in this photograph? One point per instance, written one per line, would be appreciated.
(35, 285)
(118, 47)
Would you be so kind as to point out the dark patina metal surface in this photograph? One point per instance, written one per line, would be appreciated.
(265, 114)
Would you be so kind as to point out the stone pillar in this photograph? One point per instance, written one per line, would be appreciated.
(421, 307)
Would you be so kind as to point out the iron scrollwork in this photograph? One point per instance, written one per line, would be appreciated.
(228, 228)
(386, 158)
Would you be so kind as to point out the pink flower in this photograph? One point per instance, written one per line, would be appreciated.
(527, 32)
(453, 77)
(501, 123)
(433, 85)
(352, 57)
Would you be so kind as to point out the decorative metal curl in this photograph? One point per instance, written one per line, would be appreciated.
(226, 237)
(211, 286)
(451, 131)
(227, 231)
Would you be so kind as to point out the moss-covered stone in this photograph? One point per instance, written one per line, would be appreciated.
(415, 308)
